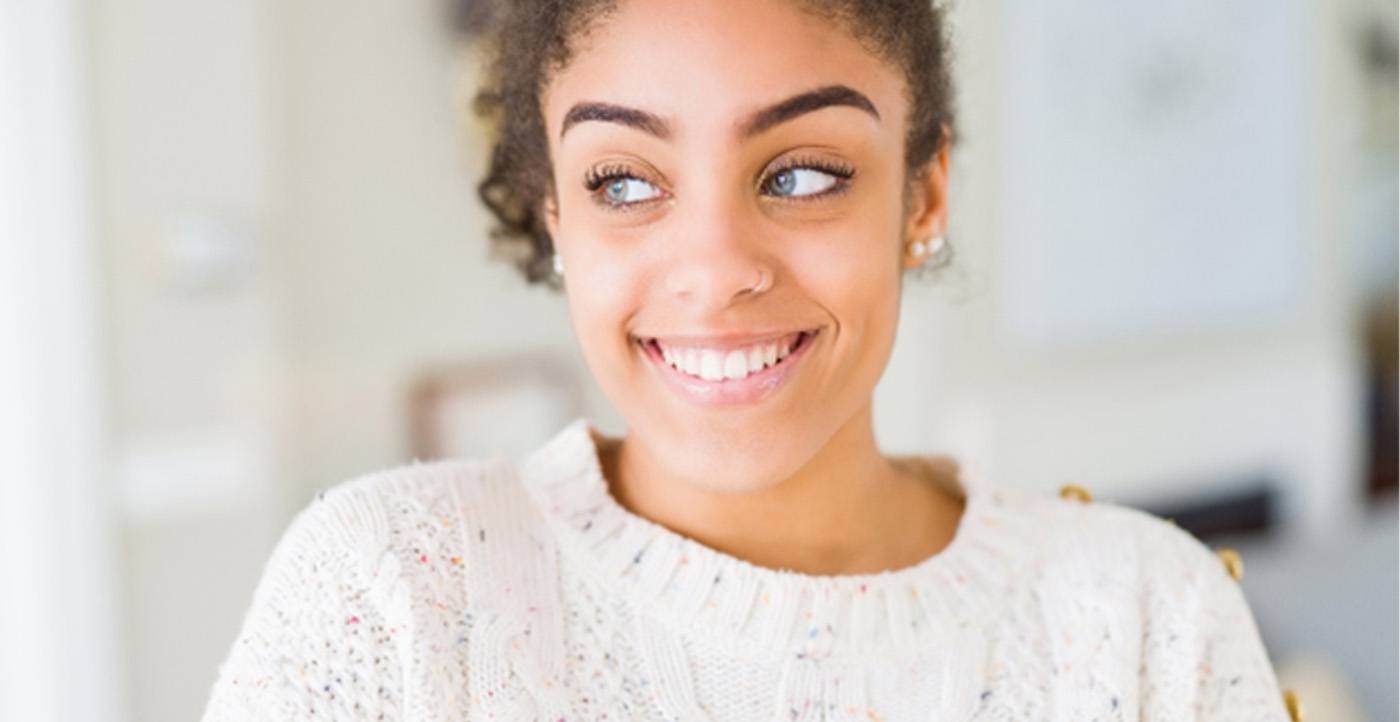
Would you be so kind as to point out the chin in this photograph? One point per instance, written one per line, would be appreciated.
(737, 463)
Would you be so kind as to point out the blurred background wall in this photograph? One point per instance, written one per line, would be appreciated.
(242, 236)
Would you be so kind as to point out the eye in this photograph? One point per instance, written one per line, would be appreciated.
(808, 179)
(622, 190)
(616, 187)
(801, 182)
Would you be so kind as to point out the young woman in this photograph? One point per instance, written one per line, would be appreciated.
(730, 194)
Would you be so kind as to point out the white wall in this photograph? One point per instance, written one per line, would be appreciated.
(182, 122)
(58, 657)
(384, 239)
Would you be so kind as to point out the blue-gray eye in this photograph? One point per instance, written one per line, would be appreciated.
(624, 190)
(808, 181)
(785, 181)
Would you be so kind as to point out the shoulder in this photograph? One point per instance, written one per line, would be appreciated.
(1075, 536)
(1086, 560)
(1072, 516)
(1096, 565)
(398, 524)
(359, 583)
(405, 509)
(377, 578)
(388, 496)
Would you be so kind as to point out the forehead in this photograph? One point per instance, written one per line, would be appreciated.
(701, 64)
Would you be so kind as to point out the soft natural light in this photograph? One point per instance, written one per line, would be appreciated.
(56, 603)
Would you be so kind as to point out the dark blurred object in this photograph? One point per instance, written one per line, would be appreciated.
(1382, 427)
(1378, 47)
(1379, 59)
(473, 18)
(1252, 508)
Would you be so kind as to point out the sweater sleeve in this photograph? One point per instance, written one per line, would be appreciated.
(315, 643)
(1204, 659)
(1236, 679)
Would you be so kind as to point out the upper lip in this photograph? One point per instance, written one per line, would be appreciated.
(723, 341)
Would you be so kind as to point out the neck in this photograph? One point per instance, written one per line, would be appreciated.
(848, 510)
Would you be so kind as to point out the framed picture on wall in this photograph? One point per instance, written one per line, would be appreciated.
(1154, 170)
(486, 409)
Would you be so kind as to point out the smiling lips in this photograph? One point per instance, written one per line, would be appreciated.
(717, 364)
(710, 373)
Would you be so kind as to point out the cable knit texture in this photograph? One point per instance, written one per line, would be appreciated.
(521, 590)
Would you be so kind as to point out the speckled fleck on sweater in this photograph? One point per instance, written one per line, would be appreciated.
(521, 590)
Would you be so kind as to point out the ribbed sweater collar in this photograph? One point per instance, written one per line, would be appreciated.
(759, 611)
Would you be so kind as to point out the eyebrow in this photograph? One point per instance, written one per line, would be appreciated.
(755, 123)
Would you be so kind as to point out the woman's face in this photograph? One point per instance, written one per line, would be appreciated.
(692, 165)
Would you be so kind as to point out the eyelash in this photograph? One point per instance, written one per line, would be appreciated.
(596, 178)
(840, 171)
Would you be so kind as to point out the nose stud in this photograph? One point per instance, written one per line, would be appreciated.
(762, 282)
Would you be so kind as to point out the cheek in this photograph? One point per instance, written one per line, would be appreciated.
(854, 273)
(602, 289)
(853, 265)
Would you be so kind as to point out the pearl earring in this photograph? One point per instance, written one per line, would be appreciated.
(558, 263)
(922, 250)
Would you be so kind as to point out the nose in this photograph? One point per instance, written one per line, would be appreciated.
(717, 255)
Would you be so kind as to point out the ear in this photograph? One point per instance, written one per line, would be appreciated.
(549, 209)
(928, 207)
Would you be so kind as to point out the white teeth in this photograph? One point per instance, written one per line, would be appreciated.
(736, 365)
(716, 365)
(755, 359)
(711, 366)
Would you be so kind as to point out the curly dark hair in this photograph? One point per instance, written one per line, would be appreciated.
(531, 40)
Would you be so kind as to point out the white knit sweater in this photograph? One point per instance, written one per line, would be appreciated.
(521, 590)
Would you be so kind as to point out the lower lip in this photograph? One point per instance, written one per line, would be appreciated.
(732, 392)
